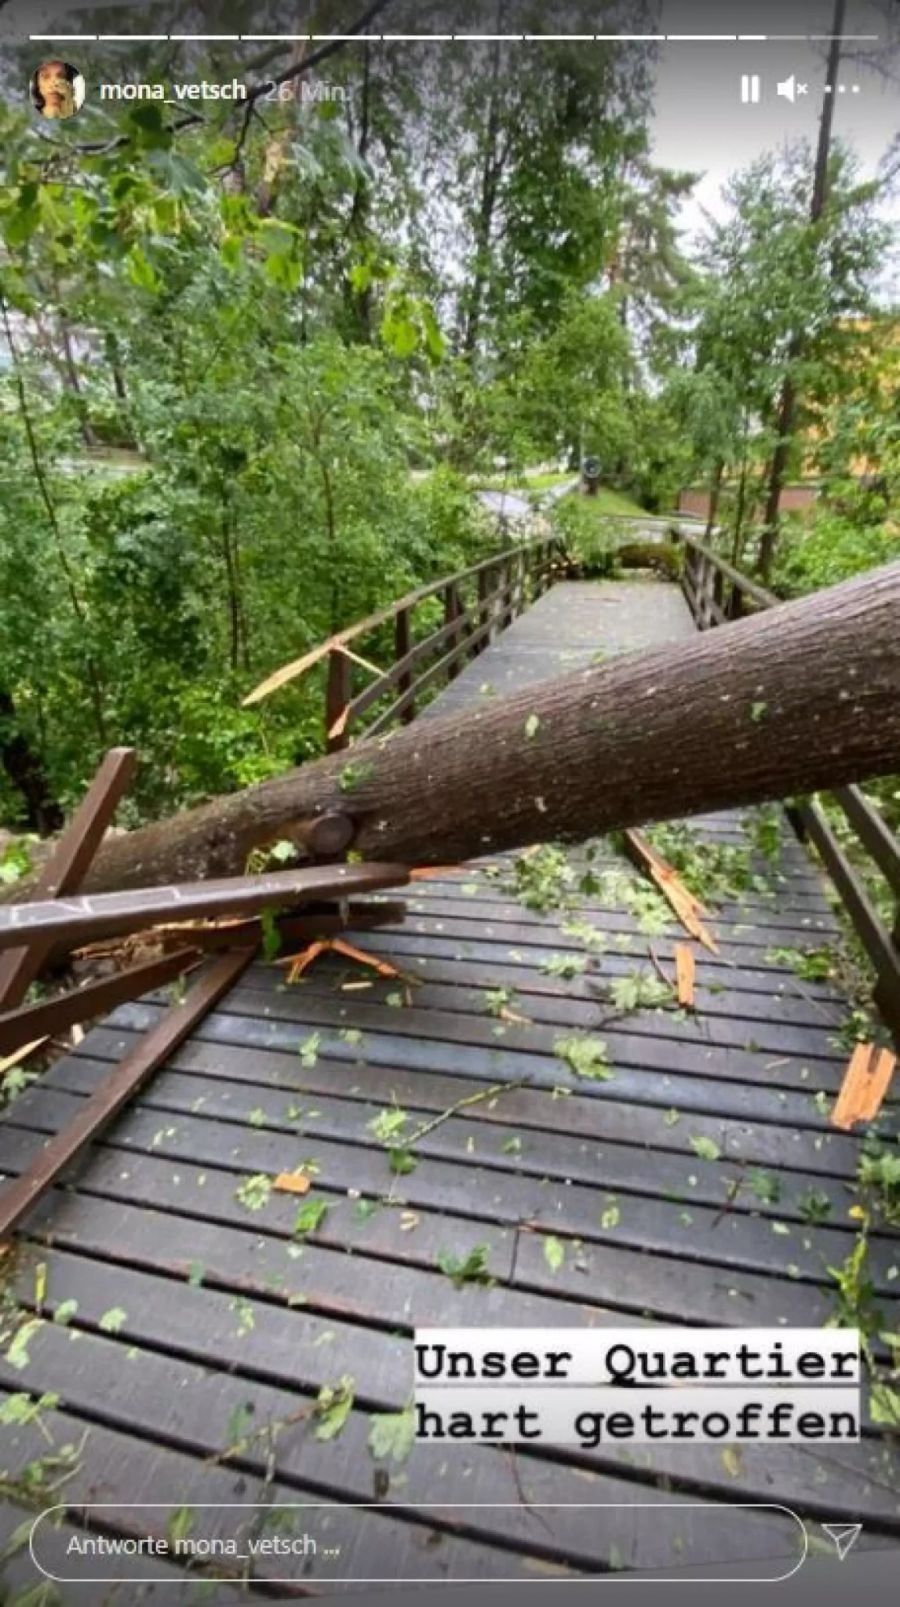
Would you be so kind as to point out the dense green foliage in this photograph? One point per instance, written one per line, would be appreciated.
(257, 356)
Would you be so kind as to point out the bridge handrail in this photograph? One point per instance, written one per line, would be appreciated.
(718, 594)
(478, 603)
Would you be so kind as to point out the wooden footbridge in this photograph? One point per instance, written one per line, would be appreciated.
(216, 1297)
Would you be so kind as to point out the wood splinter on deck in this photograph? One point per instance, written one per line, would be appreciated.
(686, 906)
(292, 1183)
(865, 1085)
(685, 971)
(301, 962)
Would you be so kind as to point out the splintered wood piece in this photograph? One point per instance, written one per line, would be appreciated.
(292, 1183)
(424, 873)
(513, 1018)
(865, 1085)
(357, 658)
(79, 919)
(108, 1098)
(20, 1054)
(50, 1016)
(299, 963)
(686, 906)
(323, 922)
(383, 967)
(289, 672)
(338, 726)
(65, 868)
(685, 970)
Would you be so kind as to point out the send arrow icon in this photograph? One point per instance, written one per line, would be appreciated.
(844, 1535)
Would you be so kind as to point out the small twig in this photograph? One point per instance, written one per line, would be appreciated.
(470, 1099)
(515, 1255)
(832, 1019)
(275, 1428)
(735, 1185)
(428, 1127)
(658, 967)
(614, 1015)
(523, 1498)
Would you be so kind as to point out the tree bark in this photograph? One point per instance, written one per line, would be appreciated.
(801, 697)
(492, 164)
(715, 492)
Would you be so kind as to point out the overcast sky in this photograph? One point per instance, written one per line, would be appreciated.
(700, 123)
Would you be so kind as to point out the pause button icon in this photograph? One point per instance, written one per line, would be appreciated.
(749, 88)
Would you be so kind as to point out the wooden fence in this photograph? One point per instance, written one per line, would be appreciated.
(475, 605)
(717, 593)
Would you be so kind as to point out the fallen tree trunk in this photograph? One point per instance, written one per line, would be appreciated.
(803, 697)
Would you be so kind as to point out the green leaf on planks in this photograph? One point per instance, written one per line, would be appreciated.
(393, 1434)
(333, 1407)
(310, 1216)
(554, 1252)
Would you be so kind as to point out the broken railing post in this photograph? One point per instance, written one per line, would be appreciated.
(402, 646)
(337, 696)
(66, 866)
(452, 611)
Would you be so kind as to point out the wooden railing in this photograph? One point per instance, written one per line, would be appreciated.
(181, 923)
(715, 591)
(475, 605)
(717, 594)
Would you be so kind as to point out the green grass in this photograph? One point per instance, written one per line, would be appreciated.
(550, 477)
(522, 481)
(608, 501)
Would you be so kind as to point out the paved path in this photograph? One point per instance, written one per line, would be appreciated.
(693, 1178)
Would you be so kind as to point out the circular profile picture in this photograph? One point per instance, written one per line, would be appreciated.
(57, 89)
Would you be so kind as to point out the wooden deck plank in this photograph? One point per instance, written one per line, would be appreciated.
(195, 1418)
(674, 1173)
(762, 976)
(823, 1150)
(711, 1003)
(389, 1545)
(679, 1226)
(660, 1073)
(734, 921)
(523, 1112)
(606, 1276)
(594, 1012)
(389, 1028)
(196, 1421)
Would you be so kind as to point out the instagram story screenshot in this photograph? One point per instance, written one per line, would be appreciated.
(449, 800)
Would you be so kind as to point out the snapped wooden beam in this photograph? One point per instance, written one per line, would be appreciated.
(122, 1084)
(51, 1016)
(82, 919)
(65, 869)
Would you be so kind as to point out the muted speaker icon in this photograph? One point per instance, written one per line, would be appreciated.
(787, 87)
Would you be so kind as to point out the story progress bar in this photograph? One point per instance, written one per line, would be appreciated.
(452, 38)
